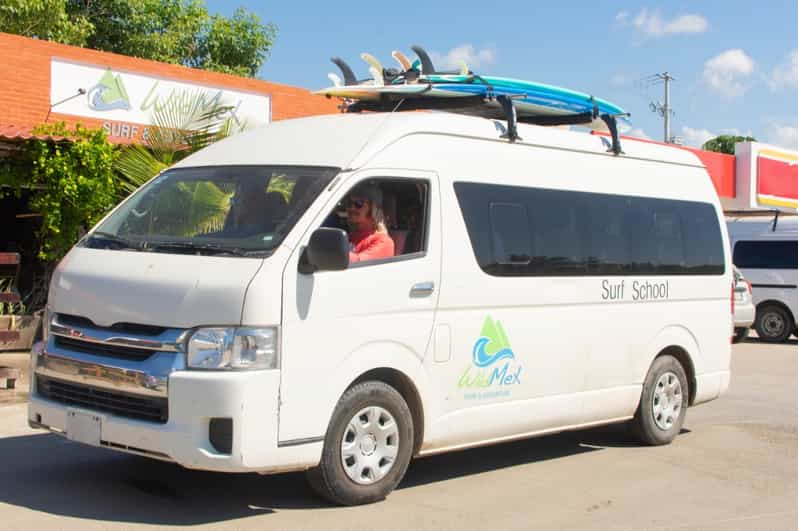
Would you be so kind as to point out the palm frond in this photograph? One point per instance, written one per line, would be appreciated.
(184, 123)
(137, 166)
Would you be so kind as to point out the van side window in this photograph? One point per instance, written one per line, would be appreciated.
(580, 233)
(510, 233)
(781, 254)
(397, 211)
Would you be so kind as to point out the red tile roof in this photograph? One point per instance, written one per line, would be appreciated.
(23, 132)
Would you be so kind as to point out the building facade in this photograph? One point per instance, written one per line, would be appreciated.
(46, 82)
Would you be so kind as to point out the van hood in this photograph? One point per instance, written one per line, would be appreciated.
(170, 290)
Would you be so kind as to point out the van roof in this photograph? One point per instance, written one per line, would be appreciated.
(348, 141)
(763, 224)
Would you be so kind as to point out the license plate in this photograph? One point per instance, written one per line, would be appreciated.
(83, 427)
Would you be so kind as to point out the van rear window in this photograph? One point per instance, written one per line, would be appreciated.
(777, 254)
(521, 231)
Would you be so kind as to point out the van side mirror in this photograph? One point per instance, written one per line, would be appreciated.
(327, 250)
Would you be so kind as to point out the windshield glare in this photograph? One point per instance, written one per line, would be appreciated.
(238, 210)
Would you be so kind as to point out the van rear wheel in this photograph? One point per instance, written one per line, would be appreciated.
(367, 448)
(773, 324)
(663, 403)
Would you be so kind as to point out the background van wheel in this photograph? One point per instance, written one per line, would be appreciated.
(740, 334)
(773, 324)
(367, 448)
(663, 403)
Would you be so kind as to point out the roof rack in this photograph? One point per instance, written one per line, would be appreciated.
(761, 213)
(485, 107)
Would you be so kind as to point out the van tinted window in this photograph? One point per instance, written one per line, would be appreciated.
(766, 254)
(540, 232)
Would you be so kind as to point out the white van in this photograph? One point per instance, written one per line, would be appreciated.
(537, 286)
(766, 251)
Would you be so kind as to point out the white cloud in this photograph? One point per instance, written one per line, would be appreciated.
(687, 24)
(783, 135)
(726, 72)
(620, 79)
(454, 58)
(785, 75)
(696, 137)
(637, 133)
(651, 23)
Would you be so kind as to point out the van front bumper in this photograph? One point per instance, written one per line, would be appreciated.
(246, 400)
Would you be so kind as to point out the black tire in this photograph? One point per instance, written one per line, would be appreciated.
(329, 479)
(645, 426)
(740, 334)
(773, 323)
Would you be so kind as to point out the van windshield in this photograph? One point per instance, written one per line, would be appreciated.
(230, 210)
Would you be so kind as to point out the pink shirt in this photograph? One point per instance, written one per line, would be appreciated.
(369, 246)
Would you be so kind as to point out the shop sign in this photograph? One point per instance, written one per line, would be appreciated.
(767, 177)
(128, 98)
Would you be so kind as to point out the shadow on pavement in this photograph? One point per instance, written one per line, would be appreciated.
(47, 473)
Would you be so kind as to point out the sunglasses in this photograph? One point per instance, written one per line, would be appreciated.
(357, 203)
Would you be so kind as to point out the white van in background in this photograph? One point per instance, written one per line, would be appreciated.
(766, 251)
(536, 286)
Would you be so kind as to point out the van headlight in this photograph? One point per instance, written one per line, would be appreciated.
(233, 348)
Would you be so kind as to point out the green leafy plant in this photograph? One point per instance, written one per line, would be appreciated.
(74, 185)
(71, 183)
(183, 124)
(725, 143)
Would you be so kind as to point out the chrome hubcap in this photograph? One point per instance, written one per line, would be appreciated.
(370, 445)
(666, 404)
(773, 324)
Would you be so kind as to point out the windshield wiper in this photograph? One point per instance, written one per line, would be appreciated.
(200, 248)
(123, 242)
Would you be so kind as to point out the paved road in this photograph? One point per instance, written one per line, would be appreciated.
(734, 467)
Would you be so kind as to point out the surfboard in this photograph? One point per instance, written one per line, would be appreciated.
(479, 94)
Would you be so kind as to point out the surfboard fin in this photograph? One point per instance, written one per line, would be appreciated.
(402, 59)
(372, 62)
(336, 81)
(376, 75)
(427, 68)
(349, 76)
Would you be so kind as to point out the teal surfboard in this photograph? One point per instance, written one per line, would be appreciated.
(467, 93)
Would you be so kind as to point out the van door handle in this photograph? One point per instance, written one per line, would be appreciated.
(422, 289)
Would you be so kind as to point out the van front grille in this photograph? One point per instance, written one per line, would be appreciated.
(126, 328)
(101, 349)
(150, 409)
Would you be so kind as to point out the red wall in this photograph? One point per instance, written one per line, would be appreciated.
(720, 166)
(25, 82)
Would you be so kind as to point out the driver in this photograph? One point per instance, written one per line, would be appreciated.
(368, 236)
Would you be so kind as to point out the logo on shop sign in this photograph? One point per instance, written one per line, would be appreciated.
(494, 367)
(109, 94)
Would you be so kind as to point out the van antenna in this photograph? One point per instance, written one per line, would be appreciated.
(775, 220)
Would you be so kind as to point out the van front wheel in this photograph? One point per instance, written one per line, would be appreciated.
(773, 323)
(367, 447)
(663, 403)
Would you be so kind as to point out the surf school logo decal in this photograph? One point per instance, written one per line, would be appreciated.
(494, 368)
(108, 94)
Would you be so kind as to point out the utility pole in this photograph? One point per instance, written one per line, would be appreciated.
(664, 110)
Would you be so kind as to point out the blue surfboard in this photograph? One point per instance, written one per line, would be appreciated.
(469, 94)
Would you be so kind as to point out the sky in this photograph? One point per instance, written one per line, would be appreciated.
(735, 63)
